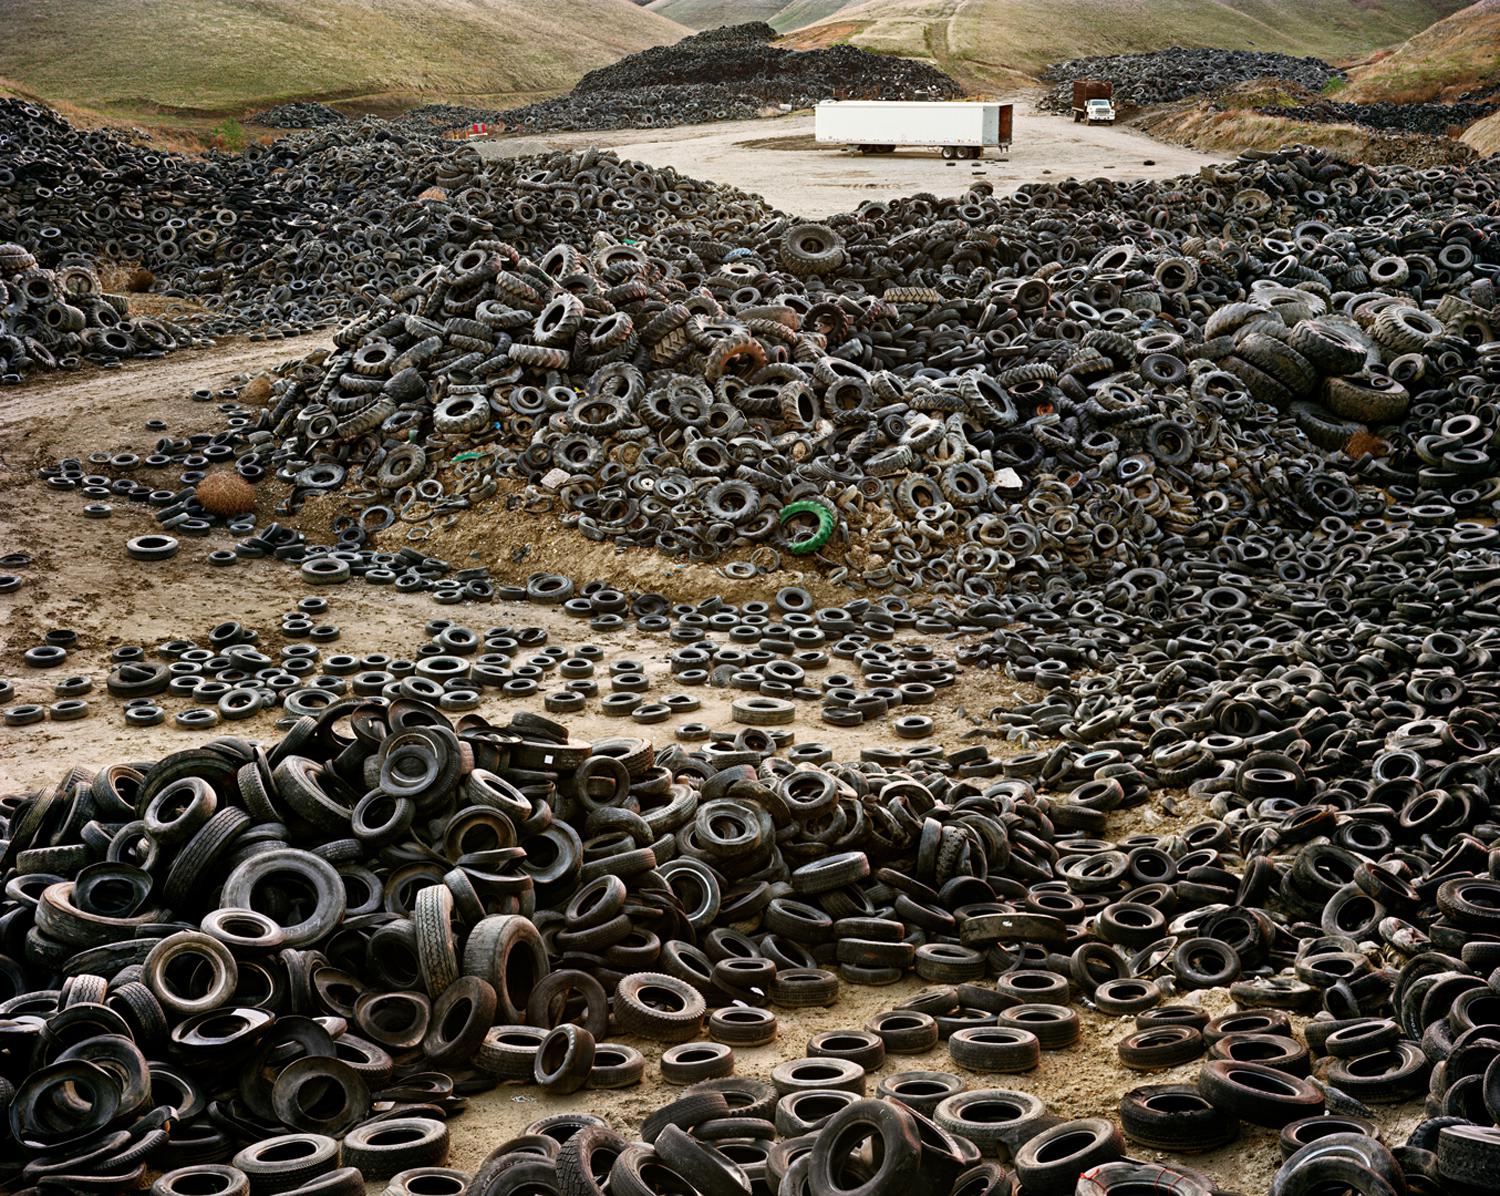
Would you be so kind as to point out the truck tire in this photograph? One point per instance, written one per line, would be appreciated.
(950, 153)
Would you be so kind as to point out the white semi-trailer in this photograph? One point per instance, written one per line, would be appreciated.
(960, 129)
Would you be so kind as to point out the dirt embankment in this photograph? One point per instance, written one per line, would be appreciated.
(1243, 119)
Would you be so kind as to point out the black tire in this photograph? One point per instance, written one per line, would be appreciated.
(858, 1046)
(223, 972)
(799, 1075)
(691, 1062)
(1205, 963)
(899, 1150)
(461, 1018)
(987, 1179)
(1055, 1026)
(381, 1148)
(698, 1104)
(1354, 1161)
(800, 988)
(920, 1091)
(1260, 384)
(905, 1032)
(311, 870)
(616, 1066)
(1279, 360)
(744, 1096)
(703, 1166)
(1159, 1047)
(992, 1118)
(437, 945)
(1175, 1117)
(1469, 1154)
(994, 1049)
(585, 1160)
(742, 1026)
(1402, 329)
(806, 1112)
(1387, 1076)
(1373, 399)
(309, 1074)
(812, 249)
(1328, 348)
(554, 993)
(659, 1007)
(509, 1052)
(1258, 1094)
(1125, 996)
(203, 1179)
(1325, 429)
(1050, 1163)
(564, 1059)
(507, 951)
(1297, 1134)
(345, 1181)
(287, 1161)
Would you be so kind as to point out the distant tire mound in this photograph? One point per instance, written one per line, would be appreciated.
(298, 116)
(1166, 75)
(730, 73)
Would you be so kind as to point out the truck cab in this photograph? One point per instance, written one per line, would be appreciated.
(1100, 112)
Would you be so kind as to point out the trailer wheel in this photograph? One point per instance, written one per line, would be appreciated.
(949, 153)
(1077, 117)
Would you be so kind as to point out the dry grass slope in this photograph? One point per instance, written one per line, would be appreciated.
(230, 56)
(709, 14)
(807, 12)
(1458, 54)
(1484, 135)
(981, 42)
(1234, 129)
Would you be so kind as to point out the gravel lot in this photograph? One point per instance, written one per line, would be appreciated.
(779, 158)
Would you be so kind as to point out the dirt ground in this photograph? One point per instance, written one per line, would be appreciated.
(81, 579)
(777, 158)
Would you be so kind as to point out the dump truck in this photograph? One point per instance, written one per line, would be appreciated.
(960, 129)
(1093, 101)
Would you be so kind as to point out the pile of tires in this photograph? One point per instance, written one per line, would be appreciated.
(1160, 76)
(731, 73)
(303, 115)
(285, 967)
(58, 319)
(1434, 120)
(683, 392)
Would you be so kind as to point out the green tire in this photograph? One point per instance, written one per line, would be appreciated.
(818, 538)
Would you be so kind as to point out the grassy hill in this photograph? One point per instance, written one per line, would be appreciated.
(807, 12)
(982, 42)
(204, 57)
(709, 14)
(1458, 54)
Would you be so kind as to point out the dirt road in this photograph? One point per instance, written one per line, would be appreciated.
(778, 159)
